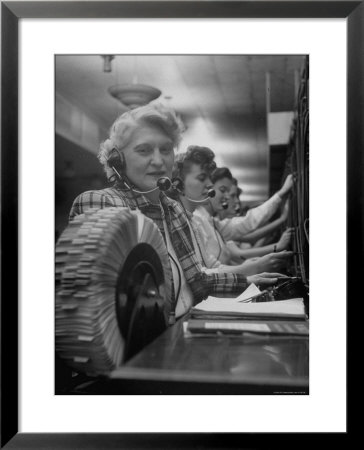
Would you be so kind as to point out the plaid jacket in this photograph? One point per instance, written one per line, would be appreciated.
(202, 284)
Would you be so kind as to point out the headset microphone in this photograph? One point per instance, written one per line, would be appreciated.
(117, 163)
(210, 193)
(163, 184)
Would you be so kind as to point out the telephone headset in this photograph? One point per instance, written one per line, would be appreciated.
(178, 185)
(117, 163)
(237, 209)
(193, 231)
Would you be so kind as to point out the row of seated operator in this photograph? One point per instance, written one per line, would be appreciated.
(195, 206)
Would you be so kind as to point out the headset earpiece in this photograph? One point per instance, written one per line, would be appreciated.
(178, 184)
(122, 162)
(117, 163)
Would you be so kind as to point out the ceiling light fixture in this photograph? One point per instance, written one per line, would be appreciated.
(134, 95)
(107, 62)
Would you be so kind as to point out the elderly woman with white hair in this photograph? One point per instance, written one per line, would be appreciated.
(138, 157)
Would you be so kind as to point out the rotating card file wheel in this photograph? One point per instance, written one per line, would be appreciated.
(139, 305)
(113, 288)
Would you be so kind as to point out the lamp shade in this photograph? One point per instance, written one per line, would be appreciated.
(134, 95)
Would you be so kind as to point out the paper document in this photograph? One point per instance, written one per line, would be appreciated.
(249, 292)
(283, 308)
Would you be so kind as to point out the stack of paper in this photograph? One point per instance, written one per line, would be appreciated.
(241, 315)
(200, 327)
(218, 307)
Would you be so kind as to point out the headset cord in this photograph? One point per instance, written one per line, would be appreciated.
(217, 234)
(174, 261)
(179, 278)
(121, 183)
(193, 231)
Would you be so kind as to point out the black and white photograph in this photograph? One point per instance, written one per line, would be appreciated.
(181, 224)
(182, 208)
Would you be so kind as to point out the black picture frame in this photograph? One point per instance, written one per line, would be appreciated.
(11, 12)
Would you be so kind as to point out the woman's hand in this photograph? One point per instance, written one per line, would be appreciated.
(273, 261)
(285, 239)
(287, 186)
(265, 278)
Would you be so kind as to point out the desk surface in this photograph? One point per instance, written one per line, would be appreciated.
(173, 364)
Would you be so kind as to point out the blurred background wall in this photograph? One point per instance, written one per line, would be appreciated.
(241, 106)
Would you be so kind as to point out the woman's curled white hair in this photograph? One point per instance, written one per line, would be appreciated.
(122, 129)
